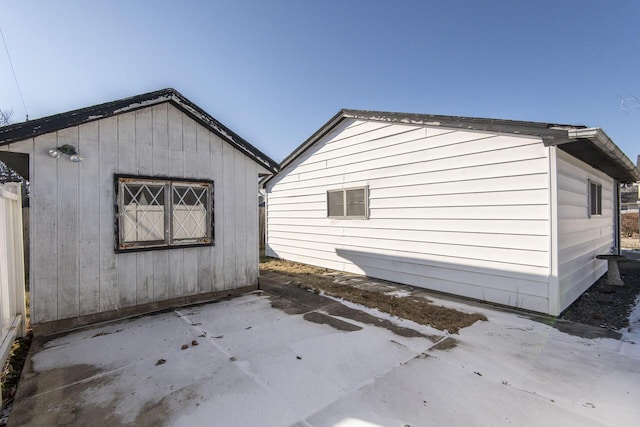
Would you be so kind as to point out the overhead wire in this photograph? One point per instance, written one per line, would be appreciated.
(15, 78)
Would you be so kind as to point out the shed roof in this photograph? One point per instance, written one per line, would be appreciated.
(32, 128)
(591, 145)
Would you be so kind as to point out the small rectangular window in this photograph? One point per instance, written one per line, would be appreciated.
(348, 203)
(595, 199)
(163, 213)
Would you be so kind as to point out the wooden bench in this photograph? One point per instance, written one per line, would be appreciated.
(613, 274)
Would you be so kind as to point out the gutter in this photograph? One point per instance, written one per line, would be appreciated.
(601, 140)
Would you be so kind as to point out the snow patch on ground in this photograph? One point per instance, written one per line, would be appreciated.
(256, 365)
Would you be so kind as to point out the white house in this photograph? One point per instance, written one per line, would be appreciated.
(504, 211)
(162, 209)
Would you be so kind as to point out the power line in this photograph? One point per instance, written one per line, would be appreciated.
(14, 74)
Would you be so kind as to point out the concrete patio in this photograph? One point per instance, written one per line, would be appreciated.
(288, 357)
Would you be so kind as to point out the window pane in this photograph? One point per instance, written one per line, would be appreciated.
(599, 199)
(335, 203)
(143, 194)
(356, 202)
(143, 212)
(190, 212)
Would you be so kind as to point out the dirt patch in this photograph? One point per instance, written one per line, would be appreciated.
(608, 306)
(323, 319)
(419, 310)
(12, 369)
(10, 375)
(366, 318)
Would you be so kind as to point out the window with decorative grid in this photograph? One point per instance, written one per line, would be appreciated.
(348, 203)
(163, 213)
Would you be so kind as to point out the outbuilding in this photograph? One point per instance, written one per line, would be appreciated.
(509, 212)
(135, 205)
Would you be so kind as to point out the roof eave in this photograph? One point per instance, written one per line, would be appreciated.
(627, 171)
(333, 122)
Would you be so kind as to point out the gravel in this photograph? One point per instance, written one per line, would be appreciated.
(609, 306)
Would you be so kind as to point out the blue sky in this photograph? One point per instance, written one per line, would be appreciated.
(275, 71)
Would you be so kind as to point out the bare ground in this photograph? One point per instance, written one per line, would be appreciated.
(630, 242)
(10, 375)
(419, 310)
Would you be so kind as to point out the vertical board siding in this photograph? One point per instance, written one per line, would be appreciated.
(144, 166)
(160, 167)
(107, 166)
(88, 227)
(67, 227)
(240, 195)
(252, 248)
(217, 251)
(127, 263)
(176, 169)
(189, 142)
(75, 270)
(203, 171)
(228, 215)
(456, 211)
(580, 237)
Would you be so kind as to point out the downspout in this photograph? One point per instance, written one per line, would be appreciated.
(617, 219)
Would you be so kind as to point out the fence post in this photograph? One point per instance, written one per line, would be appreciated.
(20, 304)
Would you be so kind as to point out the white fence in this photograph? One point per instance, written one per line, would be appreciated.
(12, 291)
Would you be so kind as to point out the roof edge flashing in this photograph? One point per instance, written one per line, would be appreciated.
(36, 127)
(333, 122)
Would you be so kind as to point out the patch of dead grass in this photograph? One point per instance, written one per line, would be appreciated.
(419, 310)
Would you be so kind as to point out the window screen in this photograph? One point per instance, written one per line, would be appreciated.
(356, 202)
(335, 203)
(347, 203)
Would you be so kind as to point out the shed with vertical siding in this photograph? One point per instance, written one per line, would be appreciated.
(504, 211)
(161, 211)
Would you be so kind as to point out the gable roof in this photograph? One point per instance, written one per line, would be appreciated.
(591, 145)
(32, 128)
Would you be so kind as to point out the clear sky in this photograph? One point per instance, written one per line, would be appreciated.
(274, 71)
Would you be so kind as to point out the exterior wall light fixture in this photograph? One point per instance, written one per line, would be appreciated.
(67, 149)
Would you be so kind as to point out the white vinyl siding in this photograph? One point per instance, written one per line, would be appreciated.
(74, 268)
(581, 236)
(456, 211)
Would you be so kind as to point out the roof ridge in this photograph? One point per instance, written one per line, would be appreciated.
(32, 128)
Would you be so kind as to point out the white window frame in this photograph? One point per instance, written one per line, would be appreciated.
(344, 203)
(597, 202)
(170, 226)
